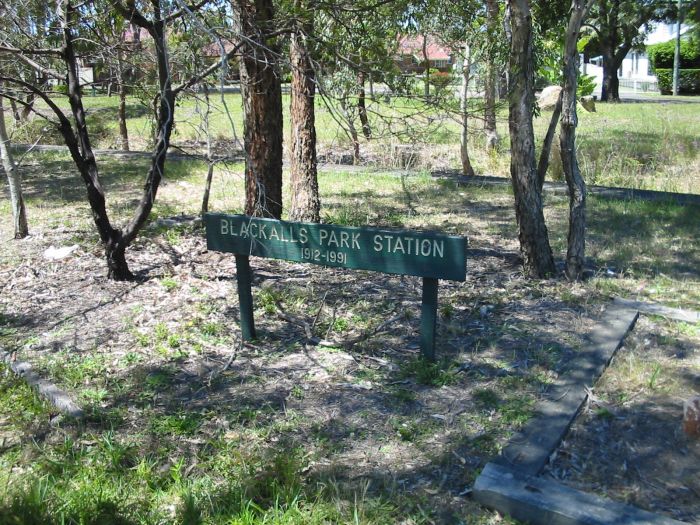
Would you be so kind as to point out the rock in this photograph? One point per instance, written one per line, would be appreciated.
(547, 100)
(588, 103)
(405, 156)
(56, 254)
(691, 417)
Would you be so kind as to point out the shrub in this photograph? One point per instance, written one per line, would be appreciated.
(661, 55)
(689, 81)
(586, 85)
(439, 80)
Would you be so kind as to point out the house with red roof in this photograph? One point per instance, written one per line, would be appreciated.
(414, 50)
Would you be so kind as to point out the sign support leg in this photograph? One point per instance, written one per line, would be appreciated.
(244, 277)
(428, 318)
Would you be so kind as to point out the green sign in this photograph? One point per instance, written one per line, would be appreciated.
(422, 254)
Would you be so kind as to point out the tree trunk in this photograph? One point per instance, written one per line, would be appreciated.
(533, 236)
(490, 78)
(362, 107)
(262, 109)
(576, 248)
(210, 160)
(15, 113)
(19, 214)
(611, 84)
(207, 188)
(426, 72)
(504, 84)
(80, 148)
(543, 164)
(27, 108)
(116, 241)
(677, 50)
(351, 130)
(117, 267)
(123, 131)
(467, 168)
(305, 205)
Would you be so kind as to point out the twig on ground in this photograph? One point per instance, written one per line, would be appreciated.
(294, 320)
(233, 356)
(369, 333)
(320, 309)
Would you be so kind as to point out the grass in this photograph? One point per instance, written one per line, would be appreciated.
(226, 453)
(101, 477)
(649, 145)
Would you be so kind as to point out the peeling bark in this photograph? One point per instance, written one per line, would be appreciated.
(262, 109)
(533, 235)
(19, 214)
(467, 168)
(576, 242)
(306, 204)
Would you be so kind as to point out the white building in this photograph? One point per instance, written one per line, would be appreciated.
(635, 72)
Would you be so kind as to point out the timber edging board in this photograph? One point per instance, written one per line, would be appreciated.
(606, 192)
(529, 450)
(512, 484)
(535, 499)
(62, 401)
(429, 255)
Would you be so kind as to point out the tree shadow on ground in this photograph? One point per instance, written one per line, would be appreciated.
(636, 234)
(55, 179)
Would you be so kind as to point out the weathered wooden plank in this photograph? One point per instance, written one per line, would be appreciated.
(402, 252)
(537, 500)
(557, 188)
(55, 395)
(529, 450)
(678, 314)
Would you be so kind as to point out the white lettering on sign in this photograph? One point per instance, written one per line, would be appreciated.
(409, 245)
(332, 240)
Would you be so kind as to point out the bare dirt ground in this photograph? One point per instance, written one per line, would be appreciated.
(362, 407)
(628, 443)
(335, 377)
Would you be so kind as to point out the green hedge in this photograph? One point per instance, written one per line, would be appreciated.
(661, 55)
(689, 80)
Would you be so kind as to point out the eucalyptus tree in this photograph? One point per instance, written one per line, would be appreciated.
(19, 213)
(461, 27)
(57, 57)
(493, 39)
(305, 204)
(569, 120)
(117, 45)
(261, 89)
(533, 235)
(355, 42)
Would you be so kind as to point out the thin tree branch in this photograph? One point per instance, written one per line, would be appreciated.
(186, 10)
(34, 65)
(24, 51)
(133, 15)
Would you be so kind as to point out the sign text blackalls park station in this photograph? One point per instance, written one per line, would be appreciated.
(429, 255)
(331, 239)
